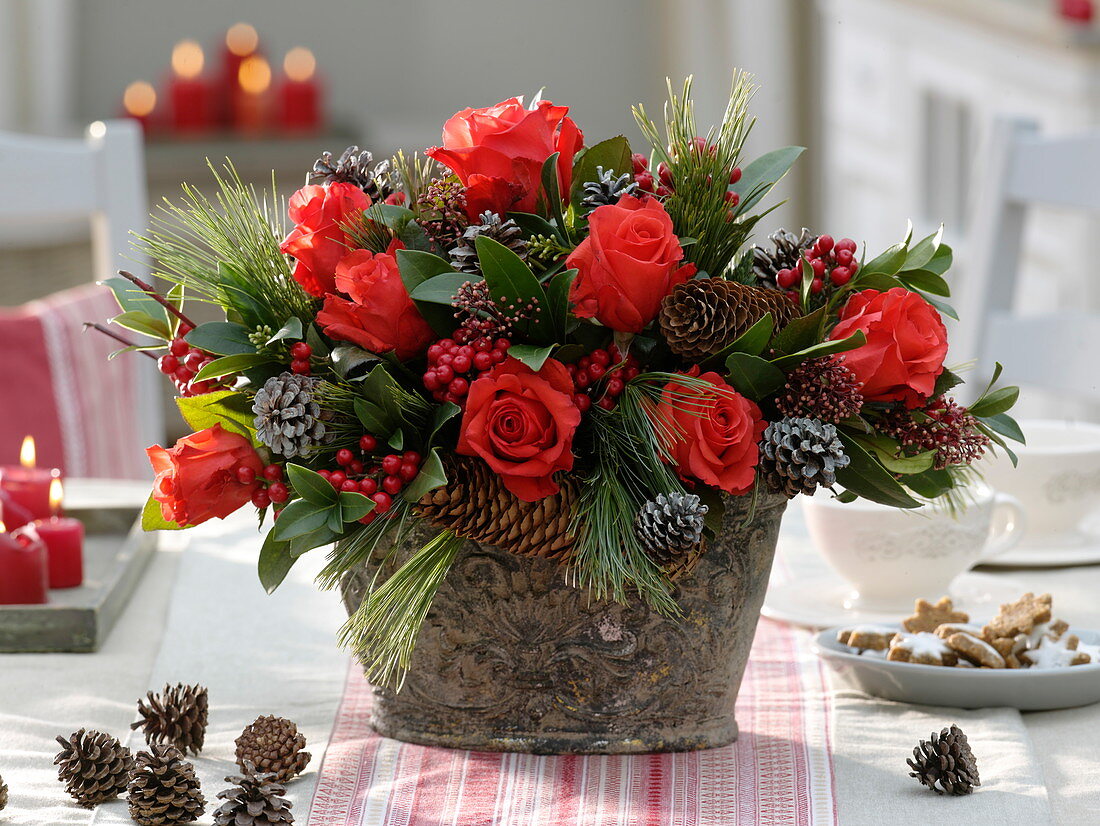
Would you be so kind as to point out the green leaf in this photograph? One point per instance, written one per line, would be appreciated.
(378, 409)
(229, 409)
(758, 178)
(139, 321)
(532, 225)
(301, 517)
(922, 252)
(512, 284)
(417, 267)
(752, 341)
(611, 154)
(431, 476)
(930, 483)
(945, 381)
(824, 348)
(355, 505)
(533, 357)
(291, 331)
(131, 298)
(886, 450)
(391, 215)
(800, 333)
(888, 263)
(443, 414)
(806, 283)
(752, 376)
(925, 280)
(372, 417)
(228, 365)
(346, 357)
(941, 261)
(942, 306)
(999, 401)
(557, 301)
(441, 289)
(868, 478)
(878, 281)
(275, 562)
(1005, 425)
(152, 520)
(311, 486)
(397, 439)
(551, 192)
(221, 337)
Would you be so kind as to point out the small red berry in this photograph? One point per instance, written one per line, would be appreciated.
(370, 517)
(615, 387)
(735, 175)
(498, 356)
(840, 276)
(732, 198)
(583, 363)
(461, 363)
(483, 345)
(639, 161)
(168, 364)
(786, 278)
(596, 372)
(846, 244)
(260, 498)
(644, 180)
(446, 344)
(391, 464)
(663, 192)
(368, 486)
(581, 379)
(582, 401)
(349, 486)
(630, 373)
(600, 357)
(183, 375)
(502, 344)
(665, 174)
(300, 350)
(431, 380)
(197, 388)
(273, 473)
(446, 358)
(408, 471)
(844, 257)
(344, 457)
(356, 467)
(411, 456)
(299, 367)
(184, 329)
(816, 286)
(382, 502)
(392, 484)
(459, 386)
(337, 478)
(246, 475)
(324, 474)
(818, 266)
(461, 334)
(367, 443)
(825, 243)
(444, 373)
(606, 403)
(482, 361)
(278, 492)
(179, 347)
(434, 352)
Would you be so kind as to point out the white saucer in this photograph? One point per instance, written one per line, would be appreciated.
(1034, 553)
(1029, 689)
(820, 602)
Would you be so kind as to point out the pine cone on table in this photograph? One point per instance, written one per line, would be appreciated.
(704, 315)
(94, 767)
(476, 505)
(254, 800)
(670, 528)
(358, 168)
(606, 189)
(163, 789)
(798, 455)
(288, 420)
(3, 794)
(507, 232)
(785, 255)
(178, 715)
(273, 744)
(945, 763)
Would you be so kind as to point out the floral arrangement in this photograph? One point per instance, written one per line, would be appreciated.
(560, 347)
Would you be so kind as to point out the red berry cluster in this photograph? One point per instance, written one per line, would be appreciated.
(300, 353)
(453, 363)
(275, 492)
(380, 480)
(182, 363)
(833, 263)
(600, 378)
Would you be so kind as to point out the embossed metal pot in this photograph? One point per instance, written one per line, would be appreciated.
(513, 658)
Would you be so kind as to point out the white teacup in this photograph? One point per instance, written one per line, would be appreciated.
(1058, 479)
(892, 556)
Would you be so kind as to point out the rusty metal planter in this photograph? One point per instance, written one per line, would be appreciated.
(514, 658)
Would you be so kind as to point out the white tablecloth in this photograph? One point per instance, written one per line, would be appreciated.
(201, 616)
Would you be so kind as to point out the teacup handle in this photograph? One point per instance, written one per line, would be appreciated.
(1007, 526)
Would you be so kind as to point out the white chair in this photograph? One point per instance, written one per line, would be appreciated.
(44, 180)
(1053, 352)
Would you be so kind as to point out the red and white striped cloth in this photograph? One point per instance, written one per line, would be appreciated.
(57, 385)
(779, 772)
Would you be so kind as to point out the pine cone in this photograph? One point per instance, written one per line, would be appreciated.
(177, 716)
(478, 506)
(798, 455)
(786, 254)
(464, 254)
(821, 388)
(702, 316)
(3, 794)
(670, 528)
(94, 767)
(606, 189)
(163, 789)
(273, 744)
(253, 801)
(288, 420)
(945, 759)
(357, 168)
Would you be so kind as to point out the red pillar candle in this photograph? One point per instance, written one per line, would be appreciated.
(24, 577)
(299, 94)
(138, 102)
(27, 487)
(189, 93)
(250, 111)
(241, 41)
(64, 540)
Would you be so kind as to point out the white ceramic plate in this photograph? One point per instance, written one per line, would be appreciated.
(1027, 689)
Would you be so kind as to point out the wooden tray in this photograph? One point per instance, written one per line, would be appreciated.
(116, 552)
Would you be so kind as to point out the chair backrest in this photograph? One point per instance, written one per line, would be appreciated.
(101, 176)
(1055, 352)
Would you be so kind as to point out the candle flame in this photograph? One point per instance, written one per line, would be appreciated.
(254, 76)
(299, 64)
(241, 39)
(3, 527)
(187, 59)
(139, 99)
(57, 495)
(26, 452)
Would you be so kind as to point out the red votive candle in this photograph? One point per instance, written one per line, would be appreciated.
(27, 488)
(64, 540)
(299, 93)
(24, 577)
(189, 93)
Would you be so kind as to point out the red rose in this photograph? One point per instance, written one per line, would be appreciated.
(197, 479)
(318, 240)
(713, 434)
(522, 423)
(380, 315)
(498, 152)
(905, 349)
(628, 263)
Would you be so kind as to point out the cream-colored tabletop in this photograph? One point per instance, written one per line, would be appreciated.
(201, 616)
